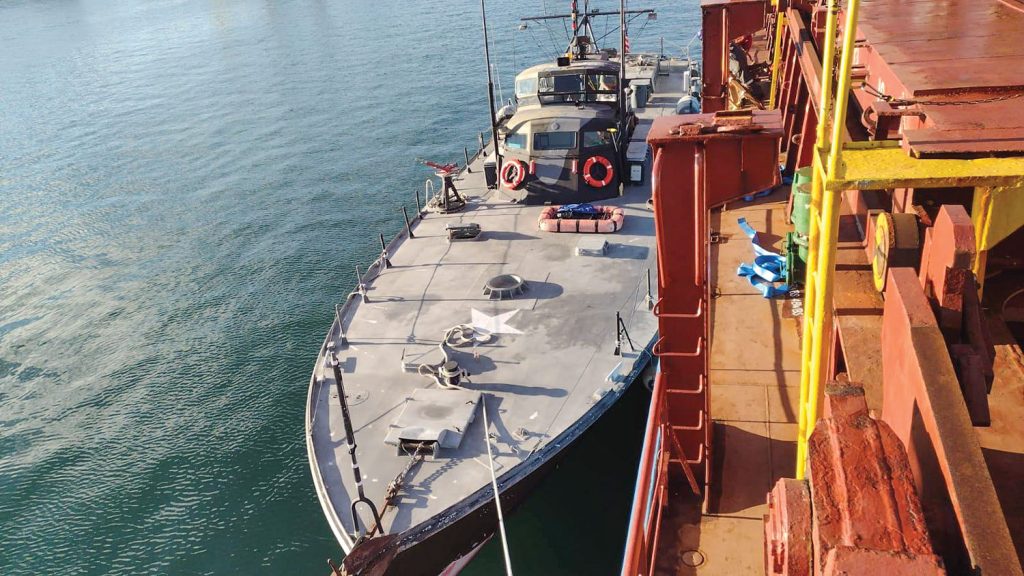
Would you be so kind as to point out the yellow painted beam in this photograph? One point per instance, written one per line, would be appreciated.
(997, 212)
(780, 24)
(880, 167)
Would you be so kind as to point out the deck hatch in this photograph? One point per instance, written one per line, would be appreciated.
(434, 416)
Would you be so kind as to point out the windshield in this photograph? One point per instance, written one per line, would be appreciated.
(602, 83)
(554, 141)
(596, 87)
(515, 140)
(570, 83)
(595, 138)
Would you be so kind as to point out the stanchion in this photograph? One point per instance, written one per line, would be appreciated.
(408, 226)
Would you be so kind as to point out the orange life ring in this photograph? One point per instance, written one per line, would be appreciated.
(609, 173)
(513, 173)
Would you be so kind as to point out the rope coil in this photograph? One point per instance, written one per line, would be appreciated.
(456, 336)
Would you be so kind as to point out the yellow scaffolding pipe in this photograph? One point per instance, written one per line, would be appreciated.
(829, 235)
(780, 24)
(817, 186)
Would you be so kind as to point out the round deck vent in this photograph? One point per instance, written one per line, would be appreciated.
(505, 286)
(693, 558)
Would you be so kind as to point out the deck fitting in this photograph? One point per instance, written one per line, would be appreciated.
(505, 286)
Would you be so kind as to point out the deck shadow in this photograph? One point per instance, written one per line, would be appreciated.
(627, 251)
(520, 389)
(505, 235)
(541, 290)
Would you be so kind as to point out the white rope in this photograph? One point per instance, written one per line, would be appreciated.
(497, 495)
(458, 335)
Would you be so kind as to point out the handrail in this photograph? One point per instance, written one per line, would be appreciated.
(657, 311)
(810, 282)
(635, 562)
(656, 350)
(315, 389)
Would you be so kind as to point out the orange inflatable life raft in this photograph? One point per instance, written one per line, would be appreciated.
(609, 220)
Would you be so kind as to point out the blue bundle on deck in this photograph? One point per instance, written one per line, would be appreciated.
(768, 268)
(578, 212)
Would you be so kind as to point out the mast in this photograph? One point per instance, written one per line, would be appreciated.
(490, 90)
(622, 77)
(575, 22)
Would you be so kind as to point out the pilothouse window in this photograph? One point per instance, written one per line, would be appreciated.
(561, 84)
(515, 140)
(526, 87)
(595, 138)
(554, 141)
(602, 83)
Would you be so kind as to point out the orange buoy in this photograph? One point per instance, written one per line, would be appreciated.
(588, 176)
(513, 173)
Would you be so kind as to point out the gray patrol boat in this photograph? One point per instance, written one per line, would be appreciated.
(499, 325)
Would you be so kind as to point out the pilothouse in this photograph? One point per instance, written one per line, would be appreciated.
(566, 141)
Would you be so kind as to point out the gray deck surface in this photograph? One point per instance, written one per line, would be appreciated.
(549, 366)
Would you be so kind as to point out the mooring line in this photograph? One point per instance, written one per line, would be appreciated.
(494, 484)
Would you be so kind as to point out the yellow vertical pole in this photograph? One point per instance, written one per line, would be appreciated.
(780, 24)
(829, 234)
(817, 184)
(981, 217)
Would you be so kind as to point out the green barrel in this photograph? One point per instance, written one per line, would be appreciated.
(802, 176)
(801, 207)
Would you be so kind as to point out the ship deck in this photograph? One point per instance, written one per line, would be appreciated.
(754, 385)
(548, 373)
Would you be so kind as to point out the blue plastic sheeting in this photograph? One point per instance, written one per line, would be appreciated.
(750, 197)
(577, 211)
(767, 269)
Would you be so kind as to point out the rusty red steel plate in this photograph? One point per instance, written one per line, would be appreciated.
(920, 384)
(787, 529)
(942, 46)
(851, 455)
(949, 250)
(958, 60)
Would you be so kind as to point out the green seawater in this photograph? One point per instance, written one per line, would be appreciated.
(186, 187)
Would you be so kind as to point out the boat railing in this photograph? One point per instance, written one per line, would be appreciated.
(483, 141)
(342, 311)
(642, 292)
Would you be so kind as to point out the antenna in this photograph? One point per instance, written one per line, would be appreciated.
(622, 78)
(490, 90)
(575, 24)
